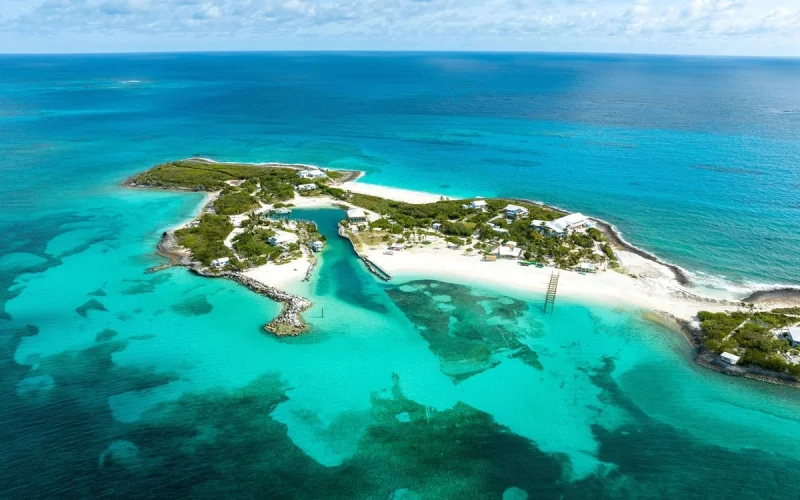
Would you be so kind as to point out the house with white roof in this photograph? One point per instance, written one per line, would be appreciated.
(729, 358)
(313, 173)
(793, 335)
(306, 187)
(317, 245)
(282, 238)
(507, 252)
(356, 215)
(514, 211)
(478, 204)
(568, 224)
(220, 263)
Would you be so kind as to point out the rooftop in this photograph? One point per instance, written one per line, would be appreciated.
(356, 213)
(567, 222)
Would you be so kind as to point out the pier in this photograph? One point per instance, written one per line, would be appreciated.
(552, 288)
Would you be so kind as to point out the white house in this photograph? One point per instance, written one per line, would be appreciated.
(793, 334)
(356, 215)
(317, 246)
(436, 226)
(396, 246)
(220, 263)
(306, 187)
(514, 211)
(507, 252)
(729, 358)
(569, 223)
(282, 238)
(510, 244)
(314, 173)
(499, 229)
(479, 204)
(282, 211)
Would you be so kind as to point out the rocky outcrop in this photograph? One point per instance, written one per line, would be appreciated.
(712, 360)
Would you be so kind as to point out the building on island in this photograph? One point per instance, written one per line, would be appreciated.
(317, 246)
(436, 226)
(476, 204)
(356, 215)
(510, 244)
(313, 173)
(220, 263)
(282, 238)
(499, 230)
(506, 252)
(490, 258)
(396, 246)
(306, 187)
(566, 224)
(514, 211)
(793, 336)
(282, 211)
(729, 358)
(586, 267)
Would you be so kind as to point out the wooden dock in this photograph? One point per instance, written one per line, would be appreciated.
(552, 288)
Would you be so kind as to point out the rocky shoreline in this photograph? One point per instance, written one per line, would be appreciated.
(712, 361)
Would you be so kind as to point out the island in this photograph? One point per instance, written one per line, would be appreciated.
(246, 232)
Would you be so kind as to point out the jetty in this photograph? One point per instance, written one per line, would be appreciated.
(552, 288)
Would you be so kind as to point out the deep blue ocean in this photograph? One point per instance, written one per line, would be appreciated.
(118, 384)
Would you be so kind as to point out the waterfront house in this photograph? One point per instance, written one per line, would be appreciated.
(514, 211)
(506, 252)
(282, 239)
(396, 247)
(568, 224)
(313, 173)
(586, 267)
(490, 258)
(793, 335)
(477, 204)
(306, 187)
(317, 246)
(282, 211)
(220, 263)
(729, 358)
(356, 215)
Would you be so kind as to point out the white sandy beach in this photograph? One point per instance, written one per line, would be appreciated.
(281, 276)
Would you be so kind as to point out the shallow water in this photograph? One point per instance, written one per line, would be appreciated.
(114, 382)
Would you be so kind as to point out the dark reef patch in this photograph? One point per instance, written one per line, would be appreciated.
(105, 335)
(98, 293)
(468, 332)
(140, 287)
(91, 305)
(197, 305)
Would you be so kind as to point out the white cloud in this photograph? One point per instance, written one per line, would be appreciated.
(713, 26)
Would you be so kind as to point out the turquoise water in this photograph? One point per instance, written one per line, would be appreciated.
(114, 382)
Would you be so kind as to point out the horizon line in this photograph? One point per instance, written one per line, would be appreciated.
(400, 51)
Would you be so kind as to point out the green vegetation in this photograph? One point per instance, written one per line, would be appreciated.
(206, 240)
(196, 175)
(254, 245)
(749, 335)
(234, 201)
(595, 234)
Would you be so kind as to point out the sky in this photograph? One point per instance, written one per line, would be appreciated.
(707, 27)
